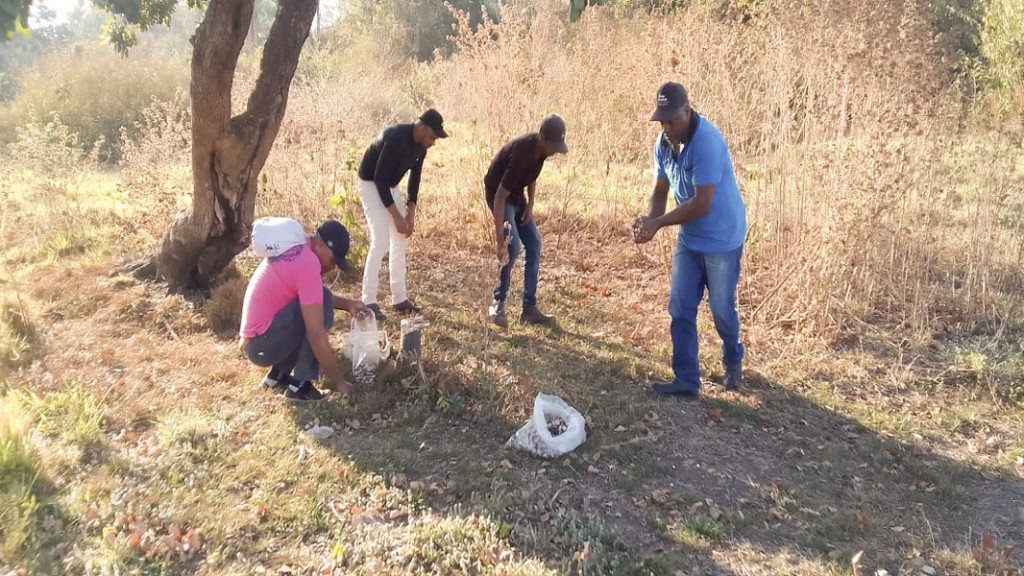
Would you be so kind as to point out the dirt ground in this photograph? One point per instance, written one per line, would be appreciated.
(789, 475)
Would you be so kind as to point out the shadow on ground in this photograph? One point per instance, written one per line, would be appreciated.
(661, 485)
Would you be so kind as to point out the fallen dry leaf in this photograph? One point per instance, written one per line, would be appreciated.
(659, 496)
(713, 416)
(582, 555)
(863, 522)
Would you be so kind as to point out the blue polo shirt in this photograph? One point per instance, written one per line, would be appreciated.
(703, 161)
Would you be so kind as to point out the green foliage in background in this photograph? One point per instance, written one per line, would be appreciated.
(418, 28)
(14, 17)
(987, 38)
(1002, 45)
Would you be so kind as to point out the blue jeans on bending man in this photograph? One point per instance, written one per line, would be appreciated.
(527, 237)
(692, 273)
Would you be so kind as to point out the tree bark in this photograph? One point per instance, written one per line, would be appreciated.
(228, 152)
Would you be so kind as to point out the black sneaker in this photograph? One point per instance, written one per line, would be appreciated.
(406, 306)
(668, 389)
(303, 392)
(376, 312)
(276, 381)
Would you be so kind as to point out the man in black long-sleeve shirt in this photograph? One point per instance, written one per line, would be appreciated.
(396, 150)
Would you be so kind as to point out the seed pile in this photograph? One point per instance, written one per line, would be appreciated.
(638, 226)
(556, 426)
(364, 375)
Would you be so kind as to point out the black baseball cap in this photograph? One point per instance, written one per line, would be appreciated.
(671, 99)
(334, 234)
(552, 128)
(432, 118)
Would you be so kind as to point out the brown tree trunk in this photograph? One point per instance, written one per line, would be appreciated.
(228, 152)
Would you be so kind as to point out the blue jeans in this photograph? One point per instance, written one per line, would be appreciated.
(528, 237)
(284, 345)
(692, 272)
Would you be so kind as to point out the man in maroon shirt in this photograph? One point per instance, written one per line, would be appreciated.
(511, 186)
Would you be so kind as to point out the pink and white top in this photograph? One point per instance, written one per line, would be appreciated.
(276, 282)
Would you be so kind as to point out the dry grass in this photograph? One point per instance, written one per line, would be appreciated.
(879, 306)
(19, 338)
(223, 310)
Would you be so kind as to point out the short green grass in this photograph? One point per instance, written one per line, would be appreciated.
(697, 532)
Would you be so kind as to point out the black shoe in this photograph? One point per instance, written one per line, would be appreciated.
(668, 389)
(276, 381)
(376, 312)
(303, 392)
(733, 378)
(532, 315)
(497, 313)
(406, 306)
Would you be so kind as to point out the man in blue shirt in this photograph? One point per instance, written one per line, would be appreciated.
(692, 159)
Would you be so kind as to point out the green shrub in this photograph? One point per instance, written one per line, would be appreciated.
(418, 28)
(1002, 44)
(74, 415)
(19, 468)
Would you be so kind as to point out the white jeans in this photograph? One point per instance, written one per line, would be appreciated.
(384, 239)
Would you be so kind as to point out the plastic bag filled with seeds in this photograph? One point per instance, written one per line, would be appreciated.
(365, 346)
(554, 429)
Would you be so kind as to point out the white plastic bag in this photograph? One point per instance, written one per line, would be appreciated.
(537, 438)
(365, 346)
(273, 236)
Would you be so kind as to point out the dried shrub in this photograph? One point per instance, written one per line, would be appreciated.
(170, 315)
(109, 93)
(20, 341)
(842, 121)
(223, 310)
(156, 160)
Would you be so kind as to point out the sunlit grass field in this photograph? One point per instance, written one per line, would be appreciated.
(879, 430)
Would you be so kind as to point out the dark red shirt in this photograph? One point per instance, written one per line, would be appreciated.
(515, 167)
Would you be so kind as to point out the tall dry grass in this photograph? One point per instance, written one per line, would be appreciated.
(868, 202)
(840, 119)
